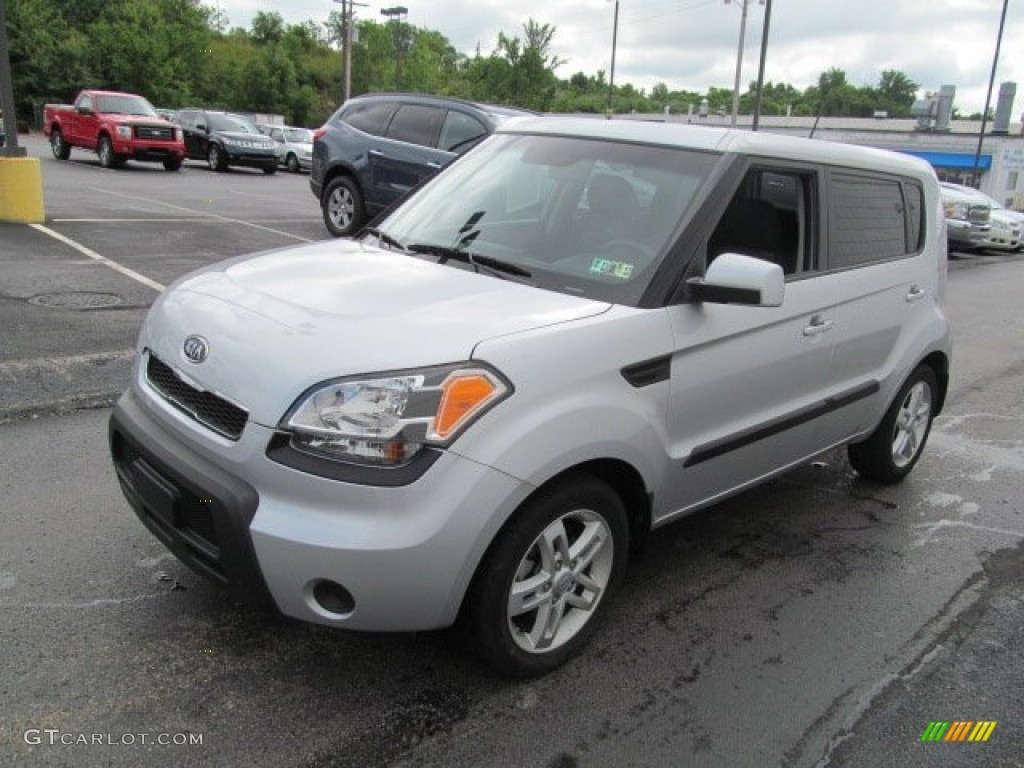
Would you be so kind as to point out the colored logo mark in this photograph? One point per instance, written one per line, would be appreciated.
(958, 730)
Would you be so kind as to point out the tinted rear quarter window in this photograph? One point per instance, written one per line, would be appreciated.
(370, 117)
(867, 220)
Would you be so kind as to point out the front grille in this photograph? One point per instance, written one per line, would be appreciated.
(978, 214)
(161, 132)
(210, 410)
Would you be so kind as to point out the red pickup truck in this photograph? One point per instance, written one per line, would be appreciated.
(117, 126)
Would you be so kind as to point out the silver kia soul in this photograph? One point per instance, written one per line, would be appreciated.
(580, 331)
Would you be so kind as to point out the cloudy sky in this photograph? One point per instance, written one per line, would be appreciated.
(692, 44)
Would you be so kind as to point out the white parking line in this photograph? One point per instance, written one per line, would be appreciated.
(205, 213)
(97, 257)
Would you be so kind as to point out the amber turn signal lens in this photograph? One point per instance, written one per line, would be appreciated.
(461, 397)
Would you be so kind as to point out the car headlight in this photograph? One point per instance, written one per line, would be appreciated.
(386, 419)
(956, 211)
(124, 131)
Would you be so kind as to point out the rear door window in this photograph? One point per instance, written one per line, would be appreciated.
(416, 124)
(867, 219)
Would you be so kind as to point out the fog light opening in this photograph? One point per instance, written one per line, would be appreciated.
(333, 598)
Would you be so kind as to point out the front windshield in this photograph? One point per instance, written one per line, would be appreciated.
(125, 105)
(233, 123)
(298, 135)
(587, 217)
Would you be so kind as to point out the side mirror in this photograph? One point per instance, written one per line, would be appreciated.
(85, 110)
(200, 126)
(734, 278)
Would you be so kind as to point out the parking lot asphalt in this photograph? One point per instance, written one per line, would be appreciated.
(75, 289)
(814, 621)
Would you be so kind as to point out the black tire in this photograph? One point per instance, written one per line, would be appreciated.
(105, 151)
(342, 205)
(60, 148)
(173, 164)
(215, 158)
(270, 170)
(892, 450)
(293, 163)
(542, 549)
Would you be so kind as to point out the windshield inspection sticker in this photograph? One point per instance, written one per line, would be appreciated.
(618, 269)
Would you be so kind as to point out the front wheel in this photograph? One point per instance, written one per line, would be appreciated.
(270, 170)
(215, 158)
(292, 163)
(545, 582)
(106, 153)
(61, 149)
(342, 206)
(892, 450)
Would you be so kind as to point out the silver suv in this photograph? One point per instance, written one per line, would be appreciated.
(581, 331)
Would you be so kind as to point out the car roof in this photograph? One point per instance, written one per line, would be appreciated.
(723, 140)
(428, 98)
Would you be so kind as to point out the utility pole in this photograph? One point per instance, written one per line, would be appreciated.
(760, 67)
(347, 35)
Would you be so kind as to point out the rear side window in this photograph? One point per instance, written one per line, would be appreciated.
(416, 124)
(915, 220)
(369, 117)
(868, 220)
(460, 132)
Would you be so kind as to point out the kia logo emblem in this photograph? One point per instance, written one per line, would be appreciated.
(197, 349)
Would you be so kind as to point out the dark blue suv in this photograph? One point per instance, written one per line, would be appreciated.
(377, 147)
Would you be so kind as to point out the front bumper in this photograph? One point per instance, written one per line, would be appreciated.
(249, 158)
(965, 234)
(154, 151)
(405, 554)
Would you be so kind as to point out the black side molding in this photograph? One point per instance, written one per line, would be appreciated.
(648, 372)
(732, 443)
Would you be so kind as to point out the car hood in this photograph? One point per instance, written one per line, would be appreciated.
(279, 323)
(262, 140)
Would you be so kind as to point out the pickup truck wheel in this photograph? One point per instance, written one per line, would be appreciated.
(293, 163)
(172, 165)
(61, 149)
(215, 158)
(892, 450)
(106, 152)
(546, 581)
(270, 171)
(342, 205)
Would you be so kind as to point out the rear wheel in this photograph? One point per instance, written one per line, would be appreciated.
(545, 585)
(172, 165)
(270, 170)
(893, 449)
(61, 149)
(342, 205)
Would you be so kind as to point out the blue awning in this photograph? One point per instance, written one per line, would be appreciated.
(950, 159)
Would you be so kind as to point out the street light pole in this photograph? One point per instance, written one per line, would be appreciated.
(760, 67)
(739, 60)
(395, 14)
(615, 39)
(988, 99)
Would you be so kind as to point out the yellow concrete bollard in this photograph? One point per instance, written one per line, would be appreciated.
(21, 190)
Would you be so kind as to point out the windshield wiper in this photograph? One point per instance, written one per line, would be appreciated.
(385, 238)
(446, 253)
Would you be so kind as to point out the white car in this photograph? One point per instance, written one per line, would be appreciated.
(579, 332)
(1006, 227)
(294, 147)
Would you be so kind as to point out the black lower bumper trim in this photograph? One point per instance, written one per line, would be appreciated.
(199, 511)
